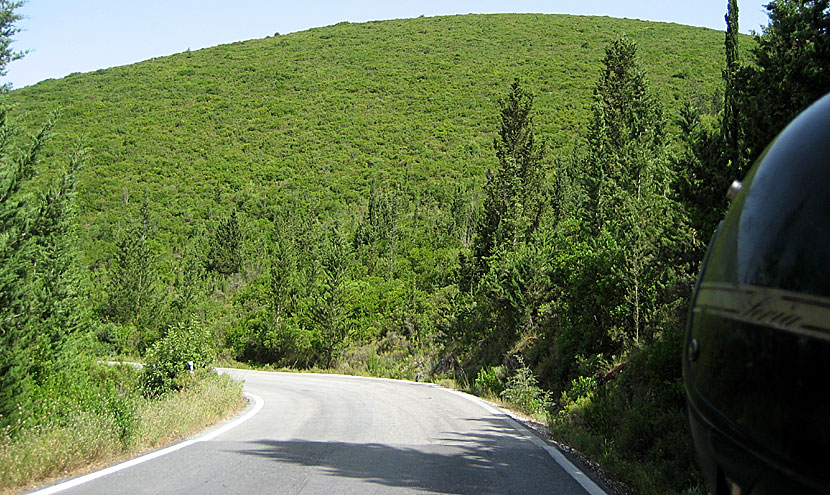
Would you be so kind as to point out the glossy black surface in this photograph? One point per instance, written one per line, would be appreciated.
(777, 232)
(767, 387)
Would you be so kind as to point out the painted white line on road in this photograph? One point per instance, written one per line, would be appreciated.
(577, 474)
(258, 403)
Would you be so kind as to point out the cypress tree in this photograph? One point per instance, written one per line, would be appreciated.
(791, 58)
(329, 313)
(625, 131)
(713, 154)
(43, 299)
(626, 179)
(730, 125)
(189, 279)
(514, 195)
(134, 295)
(224, 252)
(43, 307)
(8, 28)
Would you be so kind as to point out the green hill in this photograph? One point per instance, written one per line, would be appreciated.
(320, 114)
(317, 200)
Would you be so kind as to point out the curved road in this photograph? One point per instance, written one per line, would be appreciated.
(324, 434)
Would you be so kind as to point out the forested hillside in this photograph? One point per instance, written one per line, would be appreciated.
(517, 203)
(318, 116)
(333, 198)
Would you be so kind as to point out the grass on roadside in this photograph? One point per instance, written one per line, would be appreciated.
(88, 440)
(638, 433)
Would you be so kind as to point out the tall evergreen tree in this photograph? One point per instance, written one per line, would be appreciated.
(135, 298)
(9, 16)
(189, 281)
(627, 180)
(790, 70)
(225, 249)
(713, 154)
(731, 106)
(43, 298)
(378, 233)
(625, 134)
(520, 156)
(514, 195)
(43, 305)
(702, 173)
(329, 313)
(283, 273)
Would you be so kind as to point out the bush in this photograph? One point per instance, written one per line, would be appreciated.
(636, 424)
(489, 381)
(581, 387)
(168, 359)
(116, 339)
(75, 436)
(578, 396)
(523, 391)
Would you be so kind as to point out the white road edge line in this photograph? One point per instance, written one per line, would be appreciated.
(577, 474)
(258, 403)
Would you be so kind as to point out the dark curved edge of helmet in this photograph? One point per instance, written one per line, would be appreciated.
(737, 444)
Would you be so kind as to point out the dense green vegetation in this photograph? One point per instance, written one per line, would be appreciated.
(318, 116)
(516, 202)
(75, 437)
(374, 138)
(62, 410)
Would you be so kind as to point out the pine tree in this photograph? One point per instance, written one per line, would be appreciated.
(625, 133)
(8, 28)
(701, 172)
(224, 252)
(521, 170)
(43, 310)
(790, 70)
(329, 313)
(282, 275)
(514, 196)
(17, 252)
(135, 297)
(43, 299)
(731, 105)
(294, 262)
(378, 234)
(713, 154)
(627, 181)
(189, 281)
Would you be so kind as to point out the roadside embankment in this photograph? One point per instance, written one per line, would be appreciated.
(90, 438)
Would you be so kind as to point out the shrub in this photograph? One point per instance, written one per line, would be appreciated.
(168, 358)
(75, 436)
(582, 386)
(523, 391)
(116, 339)
(579, 395)
(489, 381)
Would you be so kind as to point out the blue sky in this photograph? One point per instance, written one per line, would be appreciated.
(66, 36)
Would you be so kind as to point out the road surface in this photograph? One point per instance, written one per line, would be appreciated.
(331, 434)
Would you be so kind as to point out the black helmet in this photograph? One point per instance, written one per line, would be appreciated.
(757, 359)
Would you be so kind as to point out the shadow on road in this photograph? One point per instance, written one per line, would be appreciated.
(494, 460)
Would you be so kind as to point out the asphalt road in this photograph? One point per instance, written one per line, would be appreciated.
(332, 434)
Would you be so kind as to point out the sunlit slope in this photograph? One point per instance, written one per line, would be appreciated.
(318, 115)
